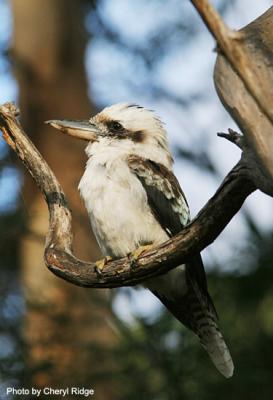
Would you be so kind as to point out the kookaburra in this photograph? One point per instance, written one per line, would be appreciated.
(133, 200)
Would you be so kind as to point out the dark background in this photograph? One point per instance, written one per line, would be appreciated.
(68, 59)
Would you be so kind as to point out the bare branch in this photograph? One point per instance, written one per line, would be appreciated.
(244, 79)
(201, 232)
(253, 169)
(233, 137)
(232, 44)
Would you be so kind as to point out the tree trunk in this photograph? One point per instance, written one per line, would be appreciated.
(65, 327)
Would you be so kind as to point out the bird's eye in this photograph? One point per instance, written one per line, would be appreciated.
(116, 126)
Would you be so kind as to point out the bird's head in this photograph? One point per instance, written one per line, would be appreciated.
(125, 126)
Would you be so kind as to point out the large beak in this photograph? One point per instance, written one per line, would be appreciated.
(79, 129)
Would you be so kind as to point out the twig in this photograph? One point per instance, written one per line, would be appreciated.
(202, 231)
(233, 137)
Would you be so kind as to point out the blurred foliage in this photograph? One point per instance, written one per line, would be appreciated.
(158, 359)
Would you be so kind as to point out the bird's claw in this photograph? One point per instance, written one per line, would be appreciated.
(137, 253)
(100, 264)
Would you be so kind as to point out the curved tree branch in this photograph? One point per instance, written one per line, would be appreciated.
(242, 79)
(201, 232)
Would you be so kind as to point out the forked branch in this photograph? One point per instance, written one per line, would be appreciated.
(233, 44)
(201, 232)
(243, 78)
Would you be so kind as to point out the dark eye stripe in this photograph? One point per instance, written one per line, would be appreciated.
(116, 130)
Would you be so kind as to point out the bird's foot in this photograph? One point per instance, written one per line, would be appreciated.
(138, 252)
(100, 264)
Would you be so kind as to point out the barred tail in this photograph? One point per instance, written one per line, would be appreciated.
(214, 343)
(205, 326)
(195, 309)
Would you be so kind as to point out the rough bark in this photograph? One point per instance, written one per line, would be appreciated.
(62, 321)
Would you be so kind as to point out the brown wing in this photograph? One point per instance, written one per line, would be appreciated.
(165, 196)
(168, 204)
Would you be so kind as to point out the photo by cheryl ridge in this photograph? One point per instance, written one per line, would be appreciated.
(136, 176)
(48, 391)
